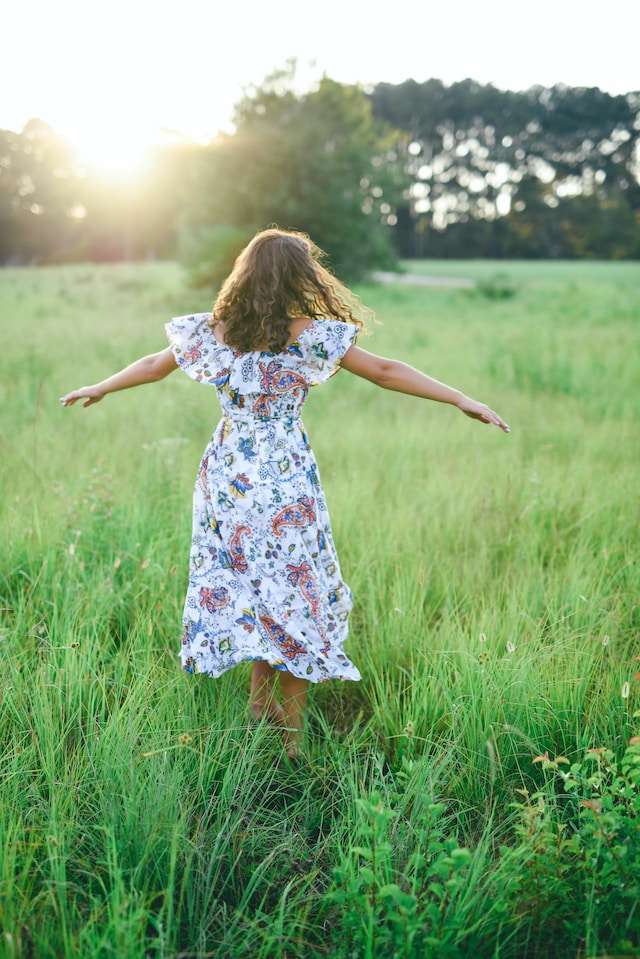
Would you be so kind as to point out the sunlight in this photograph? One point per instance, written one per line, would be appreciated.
(112, 152)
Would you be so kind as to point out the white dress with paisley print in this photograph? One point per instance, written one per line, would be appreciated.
(264, 577)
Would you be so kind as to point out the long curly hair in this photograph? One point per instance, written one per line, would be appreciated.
(277, 278)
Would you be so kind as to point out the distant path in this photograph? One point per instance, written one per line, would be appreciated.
(419, 279)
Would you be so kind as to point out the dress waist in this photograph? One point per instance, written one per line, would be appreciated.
(251, 419)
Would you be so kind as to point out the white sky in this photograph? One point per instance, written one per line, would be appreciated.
(110, 75)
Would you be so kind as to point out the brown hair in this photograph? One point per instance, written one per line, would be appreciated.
(277, 278)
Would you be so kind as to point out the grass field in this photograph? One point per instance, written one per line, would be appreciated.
(496, 620)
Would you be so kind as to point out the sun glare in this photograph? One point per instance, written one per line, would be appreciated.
(112, 153)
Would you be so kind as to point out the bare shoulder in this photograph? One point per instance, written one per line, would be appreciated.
(298, 324)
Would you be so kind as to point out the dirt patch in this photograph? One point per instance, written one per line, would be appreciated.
(420, 279)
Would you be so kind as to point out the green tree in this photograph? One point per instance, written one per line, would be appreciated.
(318, 162)
(474, 151)
(38, 192)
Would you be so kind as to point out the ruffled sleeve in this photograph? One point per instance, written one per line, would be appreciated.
(329, 341)
(195, 347)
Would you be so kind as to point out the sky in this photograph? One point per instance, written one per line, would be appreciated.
(110, 77)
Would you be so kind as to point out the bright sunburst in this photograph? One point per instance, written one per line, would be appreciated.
(115, 152)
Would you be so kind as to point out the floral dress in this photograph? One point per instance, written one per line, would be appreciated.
(264, 577)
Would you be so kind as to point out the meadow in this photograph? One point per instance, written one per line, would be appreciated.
(479, 789)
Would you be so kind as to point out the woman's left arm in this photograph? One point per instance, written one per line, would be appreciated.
(148, 369)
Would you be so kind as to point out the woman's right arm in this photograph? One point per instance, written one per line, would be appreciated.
(399, 376)
(148, 369)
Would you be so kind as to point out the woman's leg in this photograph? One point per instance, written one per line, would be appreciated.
(262, 696)
(294, 697)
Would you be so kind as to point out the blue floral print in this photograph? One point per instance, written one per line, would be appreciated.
(264, 576)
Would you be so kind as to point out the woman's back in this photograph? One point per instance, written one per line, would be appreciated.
(260, 384)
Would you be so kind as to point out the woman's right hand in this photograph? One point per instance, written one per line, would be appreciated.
(482, 412)
(91, 395)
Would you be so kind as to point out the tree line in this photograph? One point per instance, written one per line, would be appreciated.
(409, 169)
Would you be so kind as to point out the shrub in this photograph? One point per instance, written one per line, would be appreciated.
(393, 904)
(564, 880)
(208, 252)
(499, 286)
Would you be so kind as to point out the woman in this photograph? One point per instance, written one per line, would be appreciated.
(264, 578)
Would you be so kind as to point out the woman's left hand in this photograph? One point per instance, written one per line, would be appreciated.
(91, 395)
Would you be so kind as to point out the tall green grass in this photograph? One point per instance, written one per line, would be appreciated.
(496, 619)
